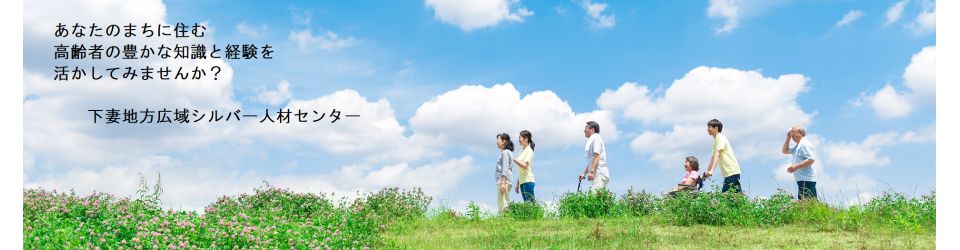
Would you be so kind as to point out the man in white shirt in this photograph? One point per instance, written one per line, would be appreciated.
(596, 154)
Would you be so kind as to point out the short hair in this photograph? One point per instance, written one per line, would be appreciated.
(594, 125)
(694, 163)
(802, 130)
(716, 124)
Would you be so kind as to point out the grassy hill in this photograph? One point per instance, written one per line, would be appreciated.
(396, 219)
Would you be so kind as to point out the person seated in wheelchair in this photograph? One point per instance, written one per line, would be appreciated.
(691, 179)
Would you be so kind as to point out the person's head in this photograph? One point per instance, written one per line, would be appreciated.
(691, 163)
(797, 133)
(503, 142)
(526, 138)
(591, 128)
(714, 127)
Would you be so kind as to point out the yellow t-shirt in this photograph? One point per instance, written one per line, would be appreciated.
(728, 161)
(526, 174)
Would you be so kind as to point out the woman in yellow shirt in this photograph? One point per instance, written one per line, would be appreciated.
(525, 181)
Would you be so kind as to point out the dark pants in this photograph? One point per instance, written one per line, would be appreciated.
(806, 190)
(526, 189)
(732, 183)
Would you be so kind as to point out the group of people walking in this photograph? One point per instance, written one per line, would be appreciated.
(596, 170)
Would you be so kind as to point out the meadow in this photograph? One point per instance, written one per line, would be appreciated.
(391, 218)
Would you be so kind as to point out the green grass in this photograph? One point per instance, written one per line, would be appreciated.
(390, 218)
(638, 233)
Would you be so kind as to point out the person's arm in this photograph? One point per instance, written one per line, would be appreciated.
(593, 166)
(689, 181)
(786, 145)
(803, 164)
(500, 163)
(713, 160)
(521, 164)
(517, 187)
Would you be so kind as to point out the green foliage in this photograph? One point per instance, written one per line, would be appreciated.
(272, 217)
(902, 212)
(638, 203)
(269, 218)
(596, 204)
(525, 211)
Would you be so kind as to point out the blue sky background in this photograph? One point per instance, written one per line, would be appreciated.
(404, 53)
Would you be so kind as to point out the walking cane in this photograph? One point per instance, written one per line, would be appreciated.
(578, 185)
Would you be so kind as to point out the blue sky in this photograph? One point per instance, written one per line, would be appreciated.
(419, 72)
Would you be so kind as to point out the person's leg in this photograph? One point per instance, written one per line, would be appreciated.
(533, 197)
(598, 183)
(503, 198)
(736, 184)
(812, 186)
(800, 190)
(807, 190)
(526, 189)
(732, 183)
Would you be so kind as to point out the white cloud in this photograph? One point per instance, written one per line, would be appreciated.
(895, 12)
(867, 152)
(329, 41)
(919, 78)
(849, 18)
(275, 97)
(251, 30)
(726, 9)
(65, 119)
(595, 15)
(706, 93)
(472, 115)
(926, 21)
(921, 75)
(888, 104)
(476, 14)
(374, 132)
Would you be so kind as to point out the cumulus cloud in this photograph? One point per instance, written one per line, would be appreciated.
(867, 152)
(596, 17)
(277, 96)
(376, 133)
(472, 115)
(919, 78)
(706, 93)
(65, 118)
(476, 14)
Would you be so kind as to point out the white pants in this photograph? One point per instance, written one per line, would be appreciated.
(599, 182)
(503, 198)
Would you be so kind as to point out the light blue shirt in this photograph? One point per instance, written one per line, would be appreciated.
(505, 166)
(802, 151)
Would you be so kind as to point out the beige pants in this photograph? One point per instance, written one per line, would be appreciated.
(503, 194)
